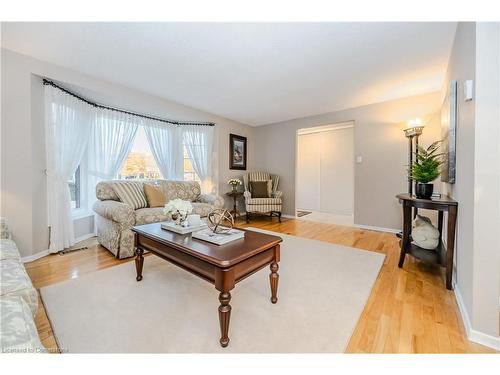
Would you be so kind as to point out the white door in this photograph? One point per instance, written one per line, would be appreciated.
(308, 169)
(325, 170)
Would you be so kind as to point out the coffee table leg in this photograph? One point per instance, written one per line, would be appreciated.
(273, 278)
(139, 262)
(224, 316)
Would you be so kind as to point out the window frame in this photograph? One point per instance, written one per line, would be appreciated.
(185, 156)
(81, 187)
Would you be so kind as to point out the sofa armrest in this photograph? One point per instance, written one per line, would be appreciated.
(215, 200)
(276, 194)
(115, 211)
(247, 195)
(4, 229)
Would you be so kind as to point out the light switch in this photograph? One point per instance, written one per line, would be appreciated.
(359, 159)
(468, 90)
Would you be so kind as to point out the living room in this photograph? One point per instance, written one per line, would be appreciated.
(205, 177)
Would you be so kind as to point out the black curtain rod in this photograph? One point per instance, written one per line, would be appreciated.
(47, 82)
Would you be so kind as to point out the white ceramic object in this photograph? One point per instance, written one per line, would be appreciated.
(425, 234)
(194, 220)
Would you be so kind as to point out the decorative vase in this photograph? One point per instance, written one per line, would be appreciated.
(178, 218)
(424, 191)
(234, 188)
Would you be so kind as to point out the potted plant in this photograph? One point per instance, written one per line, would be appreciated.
(425, 169)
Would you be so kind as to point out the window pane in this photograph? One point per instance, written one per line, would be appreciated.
(140, 163)
(74, 189)
(189, 173)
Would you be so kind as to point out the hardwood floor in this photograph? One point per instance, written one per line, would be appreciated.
(409, 309)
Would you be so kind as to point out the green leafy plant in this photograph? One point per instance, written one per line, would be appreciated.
(426, 166)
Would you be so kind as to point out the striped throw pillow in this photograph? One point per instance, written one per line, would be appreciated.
(131, 193)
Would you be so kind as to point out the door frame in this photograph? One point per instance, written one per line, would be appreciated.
(319, 129)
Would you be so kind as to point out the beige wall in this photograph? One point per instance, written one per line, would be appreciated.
(23, 200)
(476, 56)
(378, 138)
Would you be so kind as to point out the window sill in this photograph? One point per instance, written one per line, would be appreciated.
(80, 214)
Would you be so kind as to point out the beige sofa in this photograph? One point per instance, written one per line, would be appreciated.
(115, 219)
(18, 301)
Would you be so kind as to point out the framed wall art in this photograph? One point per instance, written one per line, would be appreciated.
(237, 152)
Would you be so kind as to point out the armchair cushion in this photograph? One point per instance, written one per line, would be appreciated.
(277, 194)
(115, 211)
(262, 201)
(260, 189)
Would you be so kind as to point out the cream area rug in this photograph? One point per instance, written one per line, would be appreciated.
(322, 291)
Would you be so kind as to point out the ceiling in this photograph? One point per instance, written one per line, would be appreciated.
(255, 73)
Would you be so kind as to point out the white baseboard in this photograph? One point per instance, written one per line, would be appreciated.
(288, 216)
(41, 254)
(377, 229)
(31, 258)
(85, 237)
(472, 334)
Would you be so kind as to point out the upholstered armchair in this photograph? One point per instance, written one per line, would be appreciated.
(271, 205)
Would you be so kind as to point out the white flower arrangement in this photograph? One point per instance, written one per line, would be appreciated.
(178, 208)
(234, 182)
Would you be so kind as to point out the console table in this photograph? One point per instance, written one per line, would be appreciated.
(442, 255)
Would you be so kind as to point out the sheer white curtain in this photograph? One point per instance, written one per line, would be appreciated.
(199, 141)
(110, 142)
(67, 128)
(166, 146)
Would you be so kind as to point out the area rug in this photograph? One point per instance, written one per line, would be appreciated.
(322, 291)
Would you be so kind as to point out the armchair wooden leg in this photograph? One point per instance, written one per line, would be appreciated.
(279, 217)
(248, 217)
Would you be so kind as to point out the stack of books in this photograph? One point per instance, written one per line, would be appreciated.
(173, 227)
(219, 238)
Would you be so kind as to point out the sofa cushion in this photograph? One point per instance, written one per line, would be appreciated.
(16, 282)
(185, 190)
(4, 229)
(154, 196)
(150, 215)
(8, 250)
(202, 209)
(131, 193)
(18, 331)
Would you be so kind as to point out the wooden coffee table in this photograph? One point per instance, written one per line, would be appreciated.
(223, 266)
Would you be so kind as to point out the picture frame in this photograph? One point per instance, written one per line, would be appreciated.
(237, 152)
(449, 132)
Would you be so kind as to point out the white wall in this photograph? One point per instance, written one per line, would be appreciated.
(476, 56)
(487, 180)
(23, 200)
